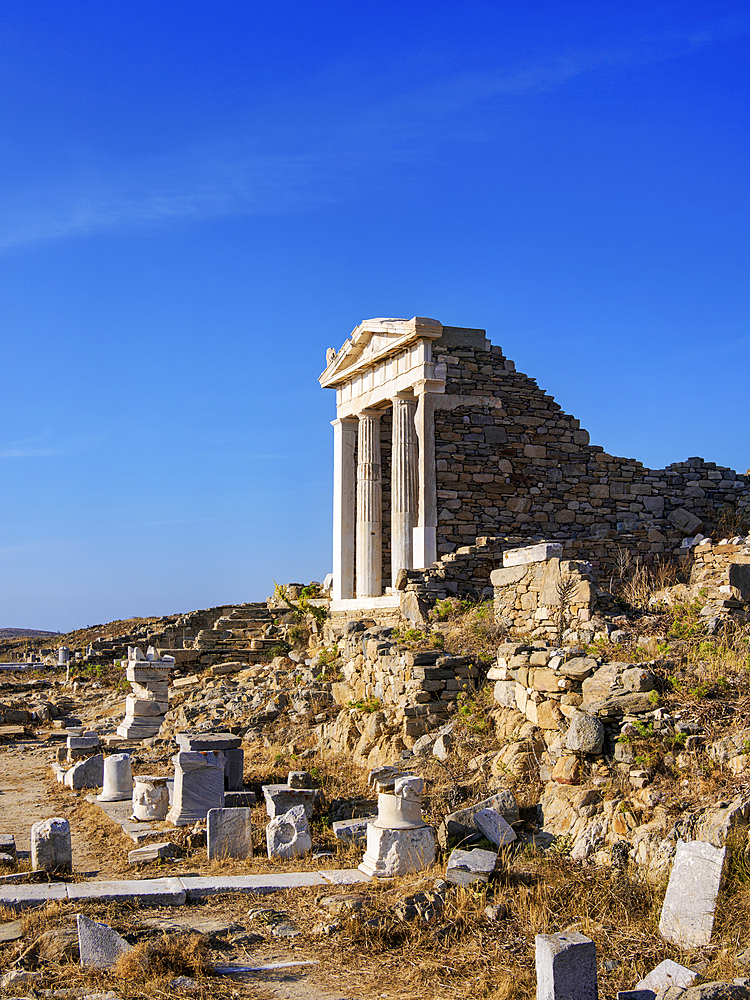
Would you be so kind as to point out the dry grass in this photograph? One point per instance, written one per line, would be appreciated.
(168, 956)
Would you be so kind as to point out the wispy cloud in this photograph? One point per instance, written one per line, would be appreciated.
(203, 183)
(26, 449)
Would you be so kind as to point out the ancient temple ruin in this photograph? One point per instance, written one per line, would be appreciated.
(439, 440)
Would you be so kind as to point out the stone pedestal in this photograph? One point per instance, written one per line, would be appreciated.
(230, 746)
(146, 707)
(399, 841)
(150, 798)
(198, 786)
(398, 852)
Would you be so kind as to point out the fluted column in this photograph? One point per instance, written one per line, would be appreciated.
(404, 453)
(344, 479)
(369, 506)
(425, 533)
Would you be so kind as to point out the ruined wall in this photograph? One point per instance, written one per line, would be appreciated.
(420, 685)
(513, 463)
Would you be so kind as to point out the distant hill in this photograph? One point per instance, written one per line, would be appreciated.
(25, 633)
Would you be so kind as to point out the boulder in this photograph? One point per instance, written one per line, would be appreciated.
(585, 734)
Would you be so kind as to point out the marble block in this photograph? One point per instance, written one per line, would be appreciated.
(491, 823)
(565, 967)
(398, 852)
(50, 846)
(87, 773)
(229, 833)
(198, 786)
(687, 916)
(281, 798)
(465, 867)
(667, 973)
(288, 836)
(99, 946)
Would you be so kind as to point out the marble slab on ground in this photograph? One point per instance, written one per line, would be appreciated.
(198, 887)
(344, 876)
(21, 897)
(687, 916)
(144, 892)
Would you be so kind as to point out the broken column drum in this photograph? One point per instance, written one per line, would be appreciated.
(118, 778)
(399, 841)
(150, 798)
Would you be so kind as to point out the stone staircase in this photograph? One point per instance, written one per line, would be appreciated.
(238, 630)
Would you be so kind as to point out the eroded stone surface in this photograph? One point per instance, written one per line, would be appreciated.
(687, 916)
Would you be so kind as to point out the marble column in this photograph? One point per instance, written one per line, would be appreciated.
(425, 533)
(344, 480)
(369, 506)
(404, 453)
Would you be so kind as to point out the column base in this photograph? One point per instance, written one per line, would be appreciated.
(425, 547)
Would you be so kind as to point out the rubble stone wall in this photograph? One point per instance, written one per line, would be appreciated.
(532, 597)
(420, 686)
(511, 462)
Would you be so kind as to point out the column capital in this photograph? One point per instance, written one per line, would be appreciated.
(344, 422)
(370, 412)
(407, 396)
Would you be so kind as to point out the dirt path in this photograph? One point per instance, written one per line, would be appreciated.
(29, 793)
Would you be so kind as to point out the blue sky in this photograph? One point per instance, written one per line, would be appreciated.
(197, 199)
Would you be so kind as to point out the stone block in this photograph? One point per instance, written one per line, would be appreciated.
(465, 867)
(207, 741)
(579, 668)
(141, 892)
(504, 693)
(398, 852)
(50, 846)
(8, 844)
(281, 798)
(150, 852)
(98, 945)
(229, 833)
(565, 967)
(491, 824)
(87, 773)
(458, 826)
(288, 836)
(198, 786)
(234, 766)
(532, 554)
(685, 521)
(507, 576)
(687, 916)
(666, 974)
(352, 831)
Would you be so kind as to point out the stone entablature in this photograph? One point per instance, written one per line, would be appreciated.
(492, 455)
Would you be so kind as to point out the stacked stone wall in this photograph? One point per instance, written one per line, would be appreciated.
(511, 462)
(419, 686)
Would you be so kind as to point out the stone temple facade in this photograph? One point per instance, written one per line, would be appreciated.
(438, 440)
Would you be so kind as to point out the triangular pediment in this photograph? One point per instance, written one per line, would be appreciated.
(373, 340)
